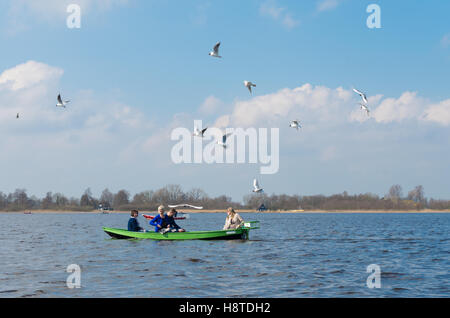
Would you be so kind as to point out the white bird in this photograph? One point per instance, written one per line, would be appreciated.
(295, 124)
(215, 51)
(249, 85)
(363, 96)
(223, 142)
(62, 103)
(199, 133)
(365, 108)
(186, 206)
(256, 187)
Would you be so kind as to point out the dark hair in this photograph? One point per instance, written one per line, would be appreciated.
(133, 212)
(173, 210)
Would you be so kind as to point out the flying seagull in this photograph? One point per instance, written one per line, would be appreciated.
(249, 85)
(295, 124)
(223, 143)
(62, 103)
(365, 108)
(199, 133)
(363, 96)
(186, 206)
(215, 51)
(256, 187)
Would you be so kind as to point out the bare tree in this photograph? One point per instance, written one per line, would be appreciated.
(121, 199)
(395, 192)
(417, 194)
(107, 198)
(47, 202)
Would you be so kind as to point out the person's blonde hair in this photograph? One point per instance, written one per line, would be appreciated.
(161, 207)
(231, 210)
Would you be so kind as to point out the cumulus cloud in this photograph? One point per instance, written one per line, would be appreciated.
(320, 105)
(211, 105)
(31, 89)
(28, 74)
(321, 101)
(282, 15)
(407, 106)
(438, 113)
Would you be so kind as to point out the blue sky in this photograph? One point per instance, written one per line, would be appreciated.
(136, 69)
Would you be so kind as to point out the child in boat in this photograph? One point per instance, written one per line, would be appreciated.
(170, 224)
(158, 220)
(133, 224)
(233, 220)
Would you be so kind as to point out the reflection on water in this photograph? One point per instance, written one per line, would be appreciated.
(298, 255)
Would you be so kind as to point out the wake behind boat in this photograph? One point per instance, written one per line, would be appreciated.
(236, 234)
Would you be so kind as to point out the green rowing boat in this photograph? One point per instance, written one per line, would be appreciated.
(237, 234)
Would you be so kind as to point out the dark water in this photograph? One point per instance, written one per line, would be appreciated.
(297, 255)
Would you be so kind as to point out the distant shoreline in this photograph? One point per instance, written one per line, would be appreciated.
(239, 211)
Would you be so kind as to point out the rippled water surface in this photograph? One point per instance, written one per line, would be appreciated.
(293, 255)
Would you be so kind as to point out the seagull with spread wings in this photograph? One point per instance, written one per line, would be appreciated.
(199, 133)
(256, 187)
(62, 103)
(223, 142)
(365, 108)
(215, 51)
(363, 96)
(249, 85)
(295, 124)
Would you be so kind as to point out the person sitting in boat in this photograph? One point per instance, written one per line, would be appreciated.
(158, 220)
(133, 223)
(169, 222)
(233, 220)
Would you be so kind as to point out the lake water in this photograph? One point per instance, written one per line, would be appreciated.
(292, 255)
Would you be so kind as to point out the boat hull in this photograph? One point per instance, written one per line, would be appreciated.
(238, 234)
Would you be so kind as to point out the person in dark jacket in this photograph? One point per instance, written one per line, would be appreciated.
(170, 224)
(133, 224)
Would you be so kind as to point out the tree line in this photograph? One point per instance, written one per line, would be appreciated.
(394, 200)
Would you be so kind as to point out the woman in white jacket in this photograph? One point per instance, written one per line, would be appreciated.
(233, 220)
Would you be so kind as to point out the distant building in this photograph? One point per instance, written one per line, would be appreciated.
(105, 207)
(262, 208)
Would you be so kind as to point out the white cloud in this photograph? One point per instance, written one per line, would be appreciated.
(28, 74)
(325, 5)
(438, 113)
(323, 102)
(324, 107)
(280, 14)
(211, 105)
(31, 89)
(407, 106)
